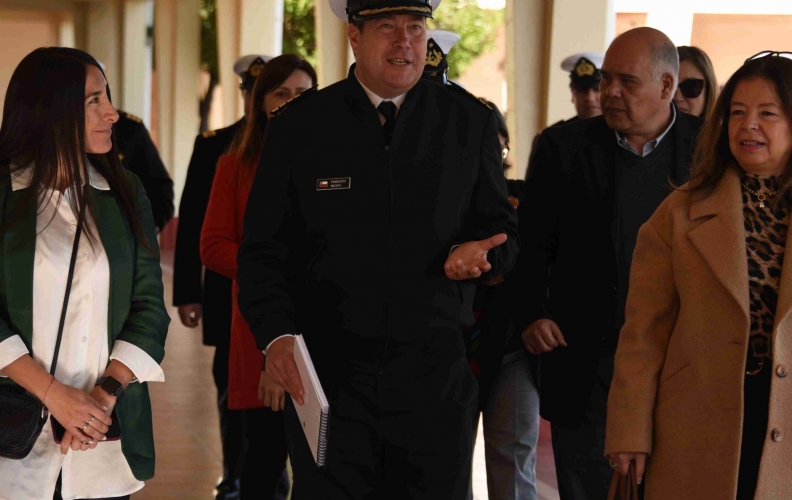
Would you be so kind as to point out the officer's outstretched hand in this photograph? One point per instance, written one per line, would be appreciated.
(470, 259)
(280, 365)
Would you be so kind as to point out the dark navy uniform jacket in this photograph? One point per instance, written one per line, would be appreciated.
(345, 239)
(191, 283)
(139, 155)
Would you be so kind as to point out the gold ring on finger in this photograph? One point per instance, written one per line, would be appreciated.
(614, 464)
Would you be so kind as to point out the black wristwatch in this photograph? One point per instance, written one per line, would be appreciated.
(111, 386)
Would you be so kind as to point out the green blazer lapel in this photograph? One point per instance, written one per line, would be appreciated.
(19, 249)
(119, 247)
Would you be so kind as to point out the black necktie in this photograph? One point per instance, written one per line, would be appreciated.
(388, 110)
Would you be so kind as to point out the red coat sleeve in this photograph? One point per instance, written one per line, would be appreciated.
(220, 236)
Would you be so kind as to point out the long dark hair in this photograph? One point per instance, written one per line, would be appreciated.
(702, 62)
(248, 142)
(44, 126)
(713, 157)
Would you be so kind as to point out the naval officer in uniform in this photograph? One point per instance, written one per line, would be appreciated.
(203, 294)
(378, 204)
(438, 44)
(139, 155)
(584, 81)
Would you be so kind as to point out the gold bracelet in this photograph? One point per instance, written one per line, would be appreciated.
(52, 381)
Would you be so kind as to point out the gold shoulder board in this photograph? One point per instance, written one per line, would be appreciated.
(134, 118)
(209, 133)
(479, 100)
(294, 99)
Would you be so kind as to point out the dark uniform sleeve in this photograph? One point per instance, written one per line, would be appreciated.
(272, 227)
(187, 266)
(147, 165)
(491, 212)
(538, 226)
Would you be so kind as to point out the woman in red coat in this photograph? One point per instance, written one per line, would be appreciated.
(249, 388)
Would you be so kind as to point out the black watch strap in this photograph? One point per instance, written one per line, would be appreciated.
(111, 386)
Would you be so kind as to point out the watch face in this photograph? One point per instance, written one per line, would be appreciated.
(111, 386)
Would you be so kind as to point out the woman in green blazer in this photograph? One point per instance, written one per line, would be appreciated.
(61, 181)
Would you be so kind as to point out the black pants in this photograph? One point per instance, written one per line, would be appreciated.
(265, 457)
(57, 495)
(232, 423)
(755, 414)
(399, 437)
(582, 470)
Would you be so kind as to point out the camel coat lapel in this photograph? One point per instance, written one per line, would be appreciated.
(728, 261)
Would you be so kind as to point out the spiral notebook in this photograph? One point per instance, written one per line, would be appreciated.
(314, 413)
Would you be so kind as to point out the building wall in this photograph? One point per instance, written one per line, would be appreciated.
(21, 32)
(729, 39)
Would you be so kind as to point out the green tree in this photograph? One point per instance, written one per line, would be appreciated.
(299, 31)
(478, 28)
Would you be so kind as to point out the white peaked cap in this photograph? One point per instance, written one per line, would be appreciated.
(570, 62)
(242, 65)
(339, 8)
(445, 39)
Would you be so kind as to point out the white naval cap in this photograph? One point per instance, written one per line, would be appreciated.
(370, 9)
(445, 39)
(571, 62)
(242, 65)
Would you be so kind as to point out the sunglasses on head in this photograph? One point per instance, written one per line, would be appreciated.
(769, 53)
(691, 88)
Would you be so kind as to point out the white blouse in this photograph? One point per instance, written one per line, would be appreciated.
(84, 354)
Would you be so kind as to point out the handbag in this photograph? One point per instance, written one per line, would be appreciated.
(624, 487)
(22, 415)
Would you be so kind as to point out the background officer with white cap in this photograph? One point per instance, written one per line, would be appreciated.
(438, 44)
(204, 294)
(584, 80)
(378, 203)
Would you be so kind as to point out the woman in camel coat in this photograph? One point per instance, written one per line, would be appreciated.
(701, 398)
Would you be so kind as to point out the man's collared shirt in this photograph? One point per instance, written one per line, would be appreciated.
(377, 100)
(649, 146)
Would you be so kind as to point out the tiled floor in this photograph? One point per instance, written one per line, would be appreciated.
(188, 442)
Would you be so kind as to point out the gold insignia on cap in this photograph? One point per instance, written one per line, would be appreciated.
(373, 12)
(256, 68)
(584, 68)
(434, 57)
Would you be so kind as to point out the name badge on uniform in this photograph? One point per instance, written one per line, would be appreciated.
(333, 184)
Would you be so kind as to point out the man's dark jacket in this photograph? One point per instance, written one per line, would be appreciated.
(214, 290)
(567, 270)
(139, 155)
(349, 268)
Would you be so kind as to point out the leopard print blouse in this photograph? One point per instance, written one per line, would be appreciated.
(766, 226)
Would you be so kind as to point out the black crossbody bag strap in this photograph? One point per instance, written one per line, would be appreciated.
(66, 297)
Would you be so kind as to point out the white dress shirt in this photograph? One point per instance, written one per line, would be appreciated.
(84, 355)
(376, 101)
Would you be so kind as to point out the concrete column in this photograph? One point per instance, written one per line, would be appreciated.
(577, 26)
(261, 27)
(526, 65)
(245, 27)
(104, 41)
(177, 26)
(228, 51)
(332, 45)
(136, 64)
